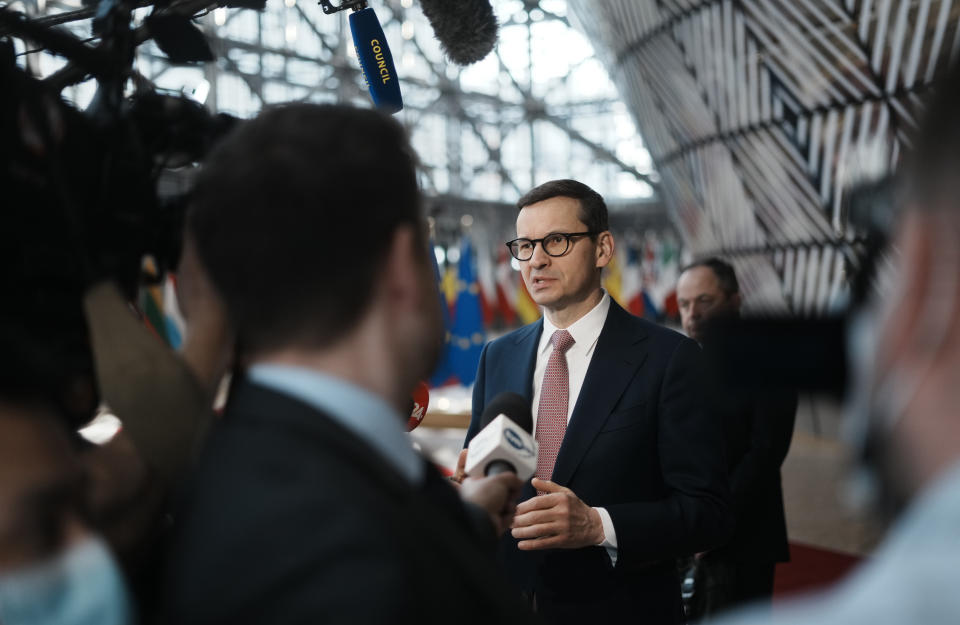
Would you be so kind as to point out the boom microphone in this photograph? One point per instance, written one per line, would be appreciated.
(504, 442)
(466, 29)
(376, 62)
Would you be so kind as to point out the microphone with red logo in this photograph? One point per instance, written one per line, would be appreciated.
(504, 442)
(420, 399)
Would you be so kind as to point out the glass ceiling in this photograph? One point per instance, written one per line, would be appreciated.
(540, 106)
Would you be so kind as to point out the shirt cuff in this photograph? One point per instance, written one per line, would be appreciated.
(609, 535)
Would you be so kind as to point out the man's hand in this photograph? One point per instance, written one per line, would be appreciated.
(557, 519)
(460, 473)
(497, 495)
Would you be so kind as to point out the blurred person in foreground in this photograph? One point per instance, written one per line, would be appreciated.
(72, 512)
(758, 427)
(309, 503)
(55, 569)
(81, 524)
(907, 393)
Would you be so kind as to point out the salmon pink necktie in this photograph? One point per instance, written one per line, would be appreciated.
(552, 411)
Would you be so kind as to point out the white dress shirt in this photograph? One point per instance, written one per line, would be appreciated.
(585, 332)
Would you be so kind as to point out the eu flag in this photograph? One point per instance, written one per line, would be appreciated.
(466, 335)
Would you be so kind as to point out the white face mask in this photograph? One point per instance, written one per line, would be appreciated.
(80, 586)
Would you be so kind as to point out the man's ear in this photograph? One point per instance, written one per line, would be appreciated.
(402, 269)
(736, 301)
(605, 248)
(208, 344)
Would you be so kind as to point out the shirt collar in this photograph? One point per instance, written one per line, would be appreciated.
(361, 412)
(584, 330)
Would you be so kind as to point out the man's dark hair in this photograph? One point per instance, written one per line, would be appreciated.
(293, 214)
(593, 210)
(726, 276)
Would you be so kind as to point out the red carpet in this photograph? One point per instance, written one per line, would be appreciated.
(811, 568)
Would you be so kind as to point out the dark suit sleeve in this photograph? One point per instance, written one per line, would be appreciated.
(771, 428)
(478, 397)
(694, 515)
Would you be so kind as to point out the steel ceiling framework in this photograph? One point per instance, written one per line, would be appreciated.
(478, 143)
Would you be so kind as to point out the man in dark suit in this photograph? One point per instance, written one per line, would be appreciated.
(757, 427)
(630, 468)
(309, 504)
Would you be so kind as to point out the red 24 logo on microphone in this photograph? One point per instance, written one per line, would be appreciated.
(421, 399)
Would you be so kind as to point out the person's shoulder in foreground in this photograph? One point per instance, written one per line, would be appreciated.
(911, 578)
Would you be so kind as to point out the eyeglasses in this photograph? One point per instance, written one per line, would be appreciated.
(554, 244)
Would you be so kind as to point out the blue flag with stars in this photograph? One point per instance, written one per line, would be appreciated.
(466, 335)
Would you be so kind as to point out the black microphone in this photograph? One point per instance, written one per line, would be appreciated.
(505, 442)
(466, 29)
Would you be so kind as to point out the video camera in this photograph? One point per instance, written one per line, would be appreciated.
(81, 201)
(808, 353)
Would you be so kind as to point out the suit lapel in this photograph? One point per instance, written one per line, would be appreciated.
(517, 376)
(620, 351)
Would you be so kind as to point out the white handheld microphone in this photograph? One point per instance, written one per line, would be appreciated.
(505, 442)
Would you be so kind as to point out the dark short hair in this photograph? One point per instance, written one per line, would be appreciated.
(726, 276)
(593, 210)
(292, 215)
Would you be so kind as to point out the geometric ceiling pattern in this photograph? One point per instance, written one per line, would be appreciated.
(759, 114)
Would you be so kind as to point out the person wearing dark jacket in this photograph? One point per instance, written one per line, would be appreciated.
(758, 427)
(309, 504)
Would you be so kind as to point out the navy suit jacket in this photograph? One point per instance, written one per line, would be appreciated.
(640, 444)
(291, 518)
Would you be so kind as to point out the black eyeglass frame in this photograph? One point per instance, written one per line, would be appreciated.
(566, 235)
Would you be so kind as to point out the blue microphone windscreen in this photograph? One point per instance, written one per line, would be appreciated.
(376, 60)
